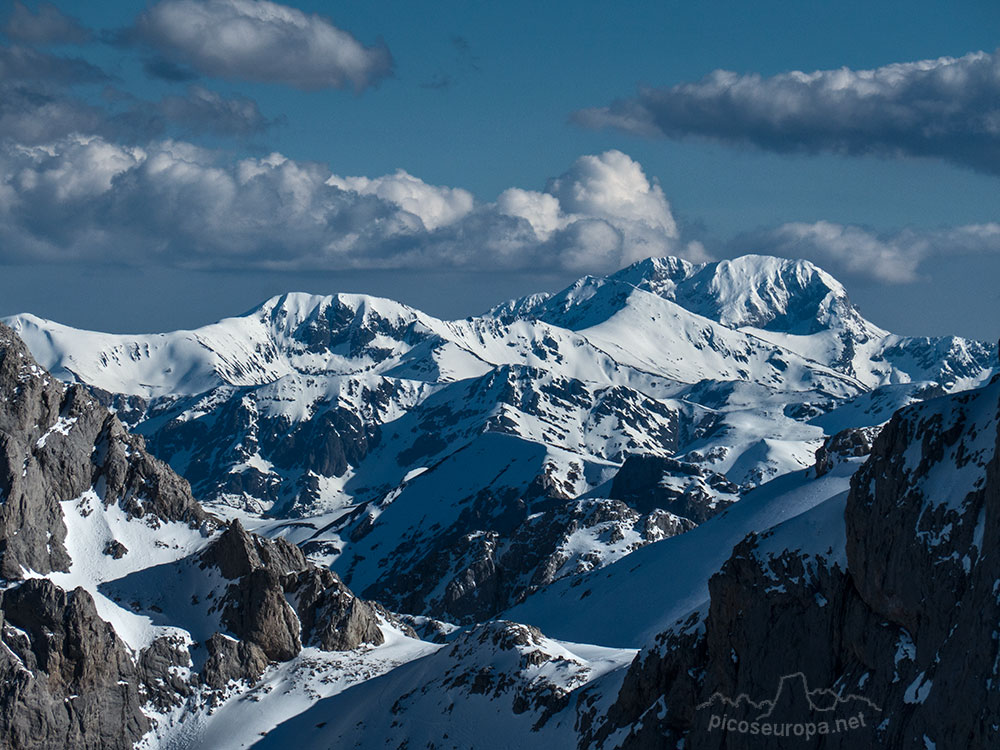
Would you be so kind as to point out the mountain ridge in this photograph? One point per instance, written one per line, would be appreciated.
(333, 411)
(644, 478)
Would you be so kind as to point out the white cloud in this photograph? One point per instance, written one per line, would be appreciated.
(853, 248)
(436, 206)
(541, 210)
(173, 203)
(947, 108)
(91, 166)
(591, 244)
(257, 40)
(613, 186)
(603, 207)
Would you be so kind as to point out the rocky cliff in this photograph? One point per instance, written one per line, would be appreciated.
(56, 442)
(67, 678)
(891, 621)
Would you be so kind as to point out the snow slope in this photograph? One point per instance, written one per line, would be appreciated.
(627, 603)
(500, 685)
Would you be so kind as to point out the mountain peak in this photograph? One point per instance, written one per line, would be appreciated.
(294, 308)
(759, 291)
(657, 275)
(768, 292)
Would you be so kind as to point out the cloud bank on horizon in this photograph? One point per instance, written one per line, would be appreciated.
(948, 108)
(176, 204)
(894, 257)
(171, 203)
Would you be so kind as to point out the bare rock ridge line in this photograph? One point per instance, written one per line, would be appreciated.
(68, 680)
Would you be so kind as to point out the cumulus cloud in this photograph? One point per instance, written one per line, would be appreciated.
(171, 203)
(434, 205)
(606, 203)
(542, 211)
(894, 258)
(48, 25)
(613, 185)
(257, 40)
(947, 108)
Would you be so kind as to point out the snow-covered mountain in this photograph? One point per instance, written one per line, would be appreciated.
(452, 468)
(125, 607)
(580, 520)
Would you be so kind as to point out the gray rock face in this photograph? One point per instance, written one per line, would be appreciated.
(526, 644)
(255, 610)
(237, 553)
(506, 546)
(68, 681)
(267, 573)
(850, 443)
(56, 443)
(332, 617)
(165, 668)
(329, 443)
(232, 661)
(905, 635)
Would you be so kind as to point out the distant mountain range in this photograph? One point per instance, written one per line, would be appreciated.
(661, 459)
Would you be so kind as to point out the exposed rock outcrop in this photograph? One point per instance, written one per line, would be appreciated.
(68, 681)
(896, 628)
(853, 442)
(327, 445)
(230, 660)
(57, 442)
(255, 610)
(237, 552)
(166, 671)
(648, 482)
(67, 678)
(489, 560)
(267, 575)
(514, 666)
(332, 617)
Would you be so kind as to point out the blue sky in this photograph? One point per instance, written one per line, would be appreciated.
(893, 189)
